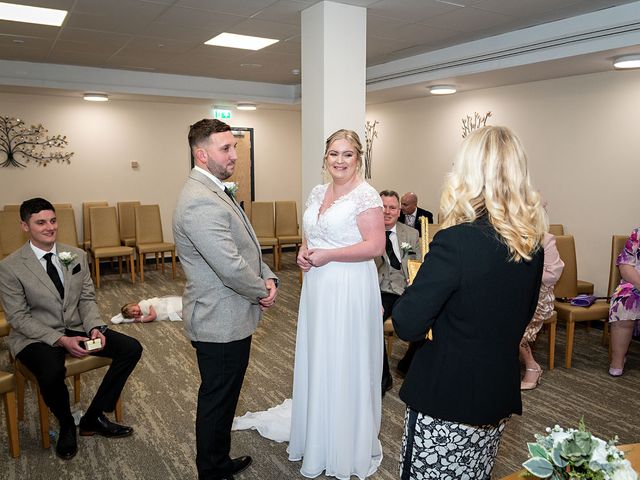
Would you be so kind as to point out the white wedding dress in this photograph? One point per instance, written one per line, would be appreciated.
(336, 407)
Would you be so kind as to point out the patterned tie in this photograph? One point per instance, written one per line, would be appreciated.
(52, 271)
(393, 260)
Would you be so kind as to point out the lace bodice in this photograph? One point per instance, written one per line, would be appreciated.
(336, 226)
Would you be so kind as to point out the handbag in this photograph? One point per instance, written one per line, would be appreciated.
(583, 300)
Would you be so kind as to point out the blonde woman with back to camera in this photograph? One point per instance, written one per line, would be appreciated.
(477, 291)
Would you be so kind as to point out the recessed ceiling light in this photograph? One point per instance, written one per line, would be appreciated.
(246, 106)
(96, 97)
(442, 89)
(247, 42)
(26, 14)
(627, 61)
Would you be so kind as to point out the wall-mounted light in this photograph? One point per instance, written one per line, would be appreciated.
(246, 106)
(626, 62)
(96, 97)
(442, 89)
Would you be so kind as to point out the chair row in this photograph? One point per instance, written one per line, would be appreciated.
(276, 225)
(137, 229)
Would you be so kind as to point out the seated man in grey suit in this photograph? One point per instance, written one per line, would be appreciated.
(50, 303)
(402, 241)
(228, 285)
(411, 212)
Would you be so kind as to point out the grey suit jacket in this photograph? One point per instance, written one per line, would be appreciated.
(222, 261)
(391, 280)
(32, 304)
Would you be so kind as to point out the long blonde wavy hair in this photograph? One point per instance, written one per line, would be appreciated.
(490, 176)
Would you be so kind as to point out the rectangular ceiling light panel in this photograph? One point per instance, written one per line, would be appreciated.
(26, 14)
(247, 42)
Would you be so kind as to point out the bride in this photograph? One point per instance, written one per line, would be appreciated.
(336, 405)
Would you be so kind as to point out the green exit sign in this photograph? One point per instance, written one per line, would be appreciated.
(221, 114)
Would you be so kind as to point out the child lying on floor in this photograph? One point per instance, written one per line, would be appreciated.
(157, 308)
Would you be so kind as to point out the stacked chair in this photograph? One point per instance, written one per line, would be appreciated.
(12, 237)
(263, 222)
(67, 232)
(149, 238)
(86, 222)
(7, 390)
(127, 223)
(287, 228)
(105, 241)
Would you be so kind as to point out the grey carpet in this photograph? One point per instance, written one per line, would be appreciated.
(160, 398)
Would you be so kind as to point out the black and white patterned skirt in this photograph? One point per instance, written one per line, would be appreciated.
(434, 448)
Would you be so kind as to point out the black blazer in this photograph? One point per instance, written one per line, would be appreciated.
(478, 304)
(420, 212)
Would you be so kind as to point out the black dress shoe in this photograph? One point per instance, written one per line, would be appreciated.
(387, 383)
(103, 426)
(240, 464)
(67, 445)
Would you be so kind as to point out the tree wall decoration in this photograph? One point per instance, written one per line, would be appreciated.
(22, 144)
(470, 124)
(370, 134)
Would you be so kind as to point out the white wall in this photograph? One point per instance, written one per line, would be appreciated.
(581, 135)
(106, 137)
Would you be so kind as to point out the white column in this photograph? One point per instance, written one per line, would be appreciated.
(333, 80)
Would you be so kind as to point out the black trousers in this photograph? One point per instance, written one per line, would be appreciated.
(222, 368)
(47, 365)
(388, 301)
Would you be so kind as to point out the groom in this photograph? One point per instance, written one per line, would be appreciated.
(228, 285)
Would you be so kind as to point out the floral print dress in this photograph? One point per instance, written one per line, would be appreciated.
(625, 301)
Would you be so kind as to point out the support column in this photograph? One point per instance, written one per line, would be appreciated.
(333, 80)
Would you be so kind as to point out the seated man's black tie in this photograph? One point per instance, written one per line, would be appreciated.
(52, 271)
(393, 260)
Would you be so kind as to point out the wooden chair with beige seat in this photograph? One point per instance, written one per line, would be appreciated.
(584, 287)
(127, 223)
(263, 222)
(105, 241)
(74, 367)
(67, 232)
(12, 237)
(149, 238)
(86, 222)
(287, 228)
(567, 287)
(7, 390)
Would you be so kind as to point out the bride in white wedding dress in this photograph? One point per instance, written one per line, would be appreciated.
(336, 405)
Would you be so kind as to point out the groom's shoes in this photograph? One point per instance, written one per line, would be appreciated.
(101, 425)
(240, 464)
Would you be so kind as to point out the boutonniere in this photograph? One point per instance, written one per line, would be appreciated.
(232, 187)
(67, 258)
(406, 248)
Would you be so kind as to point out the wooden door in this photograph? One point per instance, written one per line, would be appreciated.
(243, 174)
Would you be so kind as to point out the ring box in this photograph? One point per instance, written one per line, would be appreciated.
(94, 344)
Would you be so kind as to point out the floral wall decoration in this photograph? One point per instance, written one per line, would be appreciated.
(21, 144)
(469, 124)
(370, 134)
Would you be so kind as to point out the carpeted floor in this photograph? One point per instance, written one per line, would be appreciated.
(160, 398)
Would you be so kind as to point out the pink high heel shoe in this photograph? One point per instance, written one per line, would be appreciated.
(534, 384)
(617, 372)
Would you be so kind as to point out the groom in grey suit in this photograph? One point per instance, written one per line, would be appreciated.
(228, 285)
(393, 274)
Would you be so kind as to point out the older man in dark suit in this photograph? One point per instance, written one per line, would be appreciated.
(228, 285)
(411, 213)
(50, 303)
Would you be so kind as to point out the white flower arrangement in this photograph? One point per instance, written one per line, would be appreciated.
(232, 187)
(67, 258)
(577, 454)
(406, 248)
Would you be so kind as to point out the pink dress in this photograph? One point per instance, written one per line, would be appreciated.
(551, 272)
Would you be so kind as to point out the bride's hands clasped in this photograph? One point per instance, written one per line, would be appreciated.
(312, 258)
(303, 260)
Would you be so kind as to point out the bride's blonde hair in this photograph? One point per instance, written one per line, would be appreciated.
(490, 176)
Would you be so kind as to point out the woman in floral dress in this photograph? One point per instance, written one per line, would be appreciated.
(624, 314)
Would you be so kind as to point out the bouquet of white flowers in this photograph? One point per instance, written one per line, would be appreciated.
(576, 454)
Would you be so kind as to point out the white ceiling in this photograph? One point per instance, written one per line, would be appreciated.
(167, 36)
